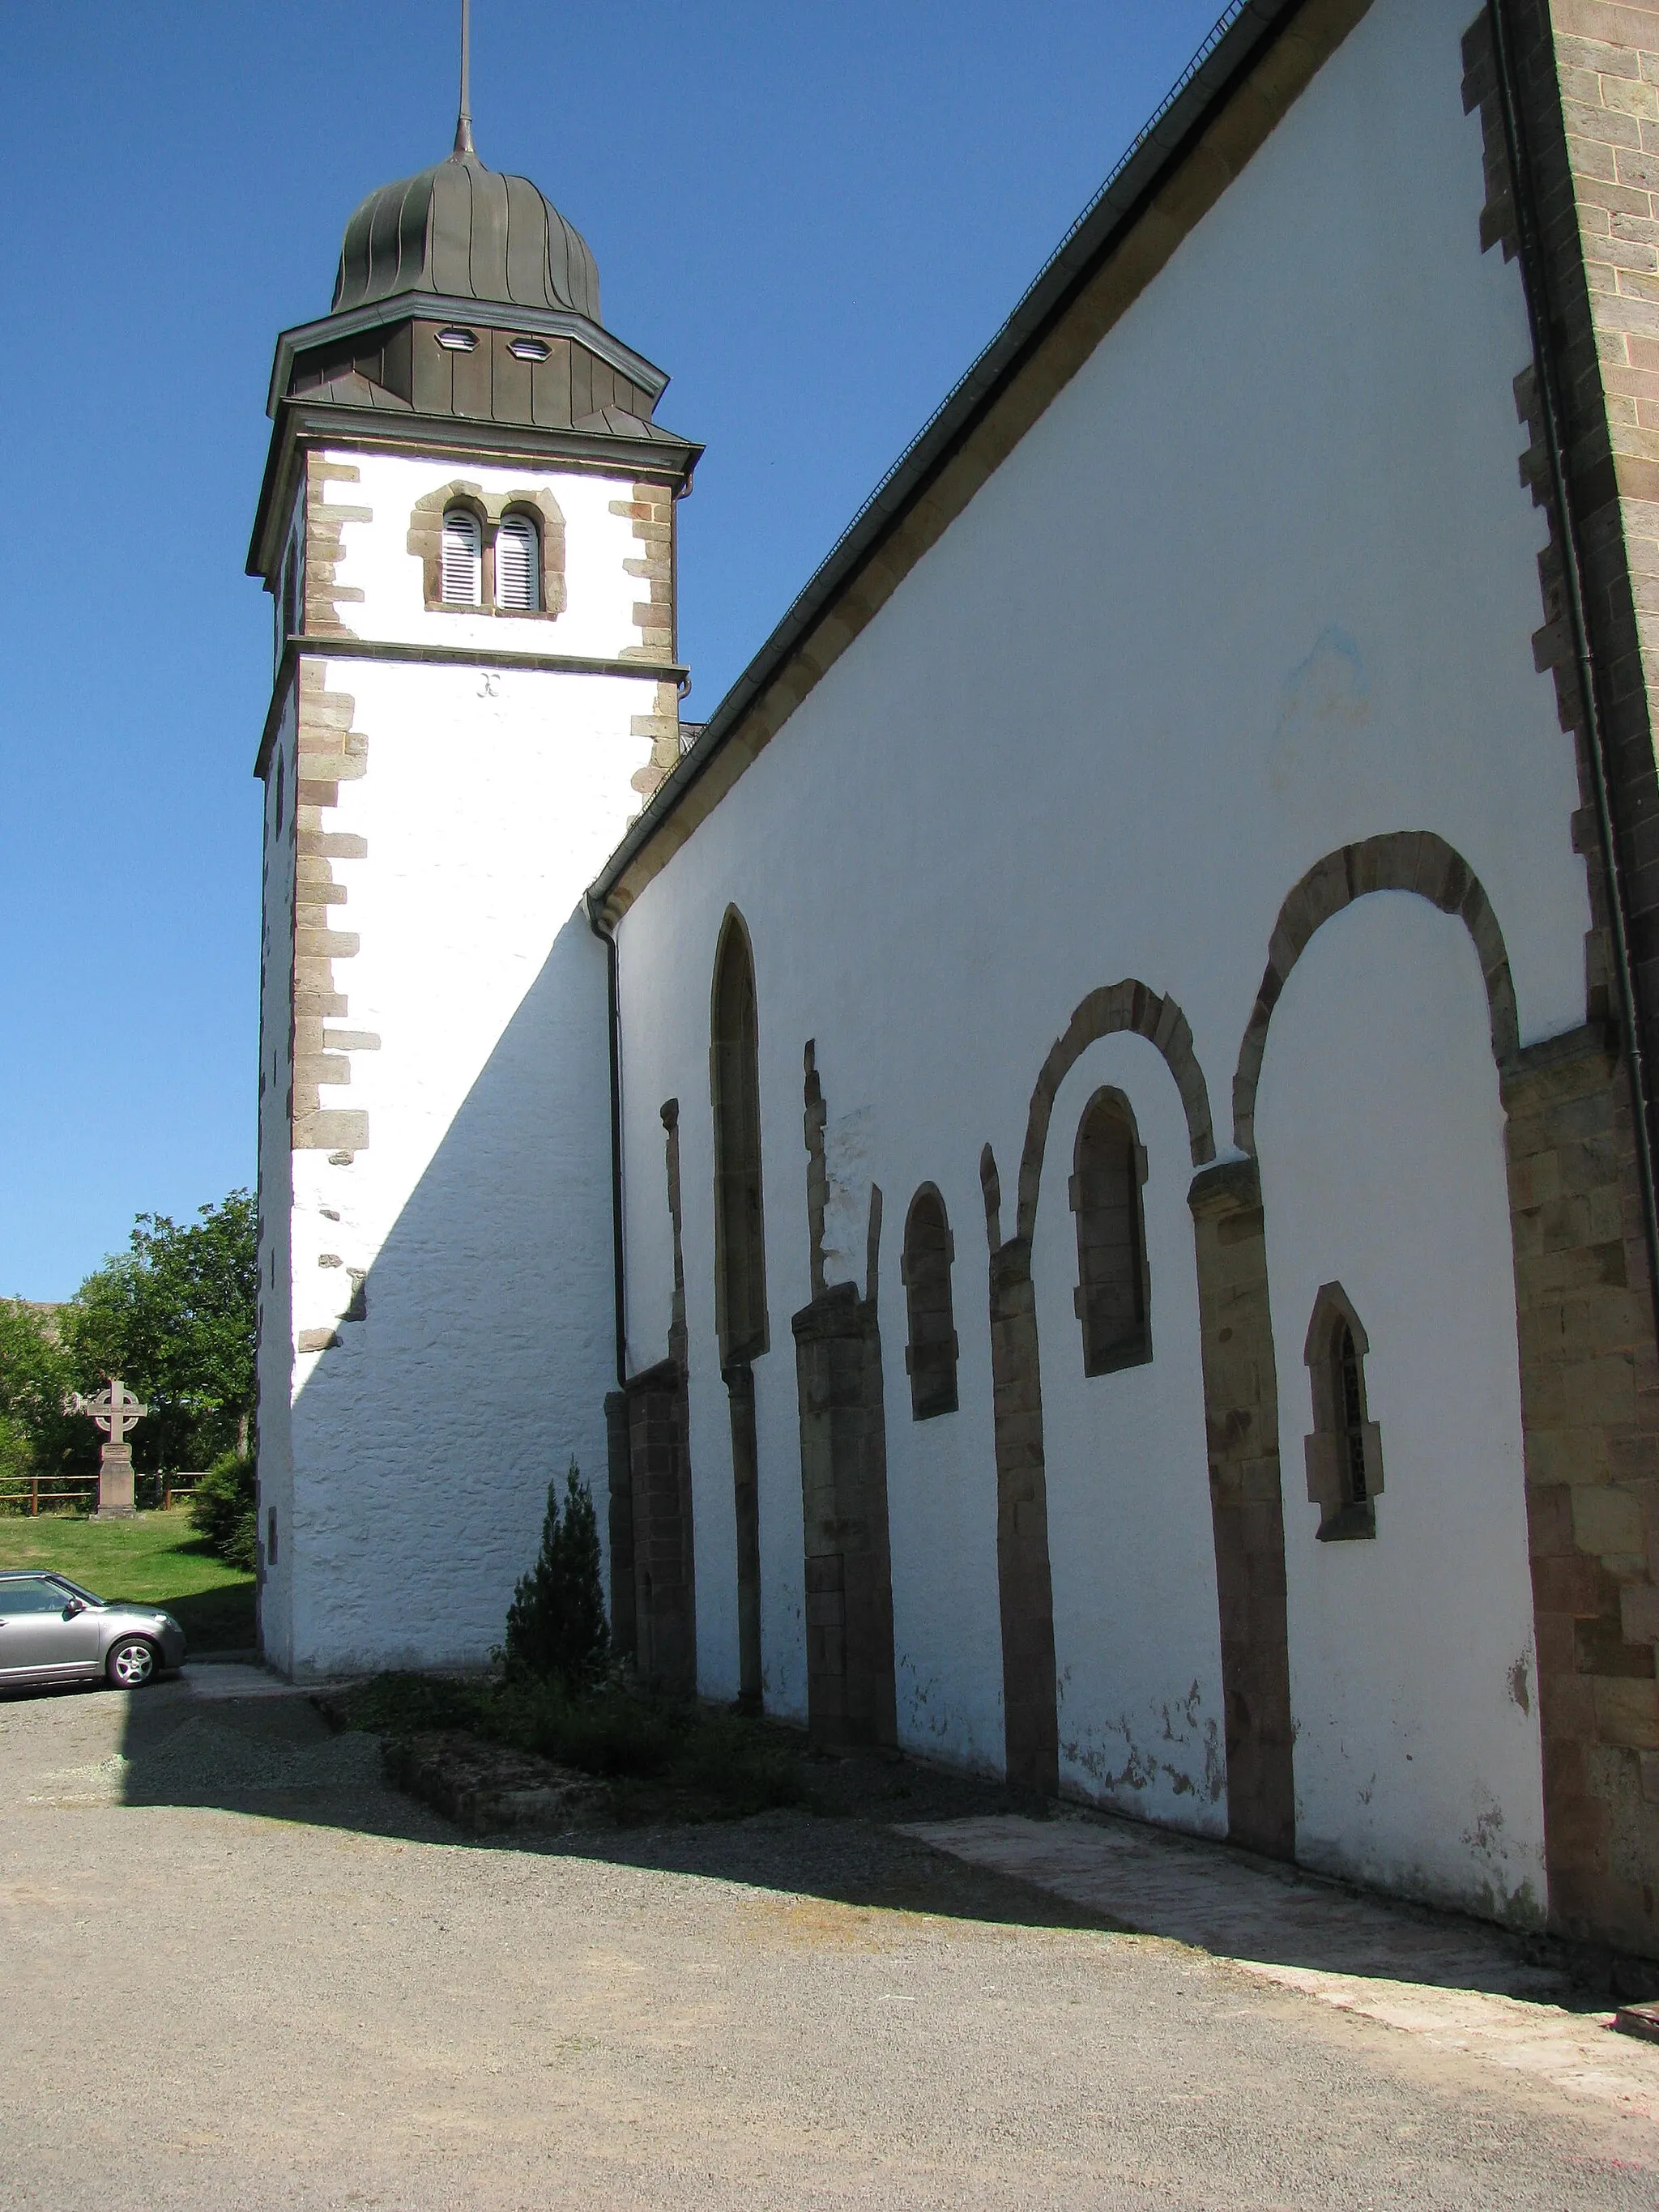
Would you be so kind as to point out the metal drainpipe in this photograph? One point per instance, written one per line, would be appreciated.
(596, 924)
(1536, 287)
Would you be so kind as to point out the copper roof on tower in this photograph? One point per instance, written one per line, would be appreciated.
(463, 232)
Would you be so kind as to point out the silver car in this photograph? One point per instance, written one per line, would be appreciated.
(52, 1631)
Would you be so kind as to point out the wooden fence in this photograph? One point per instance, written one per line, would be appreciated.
(33, 1494)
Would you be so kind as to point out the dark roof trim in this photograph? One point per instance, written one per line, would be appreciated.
(1239, 39)
(486, 314)
(428, 437)
(298, 649)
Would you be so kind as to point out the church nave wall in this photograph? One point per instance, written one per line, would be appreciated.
(1238, 633)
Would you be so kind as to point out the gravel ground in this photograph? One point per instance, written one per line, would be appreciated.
(239, 1972)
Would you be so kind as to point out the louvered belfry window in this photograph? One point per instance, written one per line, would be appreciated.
(463, 559)
(518, 565)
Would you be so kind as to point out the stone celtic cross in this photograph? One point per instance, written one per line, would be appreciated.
(114, 1408)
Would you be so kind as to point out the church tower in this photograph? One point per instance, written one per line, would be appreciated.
(467, 526)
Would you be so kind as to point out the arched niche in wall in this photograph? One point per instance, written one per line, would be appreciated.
(929, 1355)
(740, 1312)
(1113, 1300)
(740, 1205)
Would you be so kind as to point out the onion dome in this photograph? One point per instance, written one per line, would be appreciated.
(463, 232)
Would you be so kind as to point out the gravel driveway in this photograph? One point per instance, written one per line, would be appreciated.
(237, 1971)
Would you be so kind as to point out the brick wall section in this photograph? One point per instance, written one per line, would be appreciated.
(620, 1526)
(1025, 1592)
(745, 1494)
(659, 1526)
(1590, 94)
(850, 1693)
(1247, 1511)
(1587, 1387)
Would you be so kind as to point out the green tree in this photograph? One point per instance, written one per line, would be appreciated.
(174, 1317)
(555, 1626)
(36, 1436)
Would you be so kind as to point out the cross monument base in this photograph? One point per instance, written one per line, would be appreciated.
(115, 1482)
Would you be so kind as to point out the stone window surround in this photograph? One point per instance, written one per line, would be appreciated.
(1342, 1517)
(426, 529)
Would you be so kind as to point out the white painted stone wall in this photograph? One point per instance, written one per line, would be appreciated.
(1260, 582)
(276, 1352)
(1413, 1680)
(478, 1215)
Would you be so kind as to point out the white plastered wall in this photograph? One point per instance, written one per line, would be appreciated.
(1260, 583)
(478, 1217)
(1414, 1678)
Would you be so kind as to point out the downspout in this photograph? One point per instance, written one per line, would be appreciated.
(1535, 285)
(596, 923)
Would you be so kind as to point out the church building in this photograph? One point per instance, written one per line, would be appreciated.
(1075, 1167)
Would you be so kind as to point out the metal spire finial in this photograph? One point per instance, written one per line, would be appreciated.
(464, 121)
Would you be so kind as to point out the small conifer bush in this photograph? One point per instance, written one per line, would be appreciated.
(224, 1508)
(557, 1629)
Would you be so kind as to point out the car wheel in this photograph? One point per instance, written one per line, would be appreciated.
(132, 1662)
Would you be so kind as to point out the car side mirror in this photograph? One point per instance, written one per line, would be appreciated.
(74, 1606)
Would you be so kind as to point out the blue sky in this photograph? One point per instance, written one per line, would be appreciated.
(813, 218)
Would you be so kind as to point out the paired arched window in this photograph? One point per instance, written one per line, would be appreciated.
(1344, 1452)
(519, 564)
(930, 1357)
(739, 1228)
(1114, 1294)
(463, 558)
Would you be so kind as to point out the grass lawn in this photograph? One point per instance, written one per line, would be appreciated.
(155, 1557)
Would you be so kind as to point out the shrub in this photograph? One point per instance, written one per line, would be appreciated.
(555, 1626)
(224, 1508)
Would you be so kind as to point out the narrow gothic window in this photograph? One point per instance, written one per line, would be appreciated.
(930, 1357)
(1113, 1300)
(740, 1235)
(519, 564)
(1345, 1452)
(463, 558)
